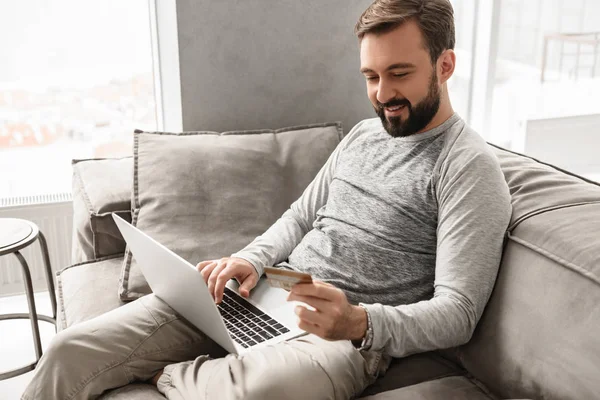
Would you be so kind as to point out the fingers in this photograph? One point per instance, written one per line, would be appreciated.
(331, 318)
(317, 289)
(224, 275)
(206, 267)
(311, 317)
(214, 275)
(203, 264)
(310, 328)
(248, 284)
(319, 304)
(233, 270)
(311, 321)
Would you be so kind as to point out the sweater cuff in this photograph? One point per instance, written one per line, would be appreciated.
(367, 341)
(375, 312)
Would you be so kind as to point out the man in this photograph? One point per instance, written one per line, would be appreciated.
(402, 230)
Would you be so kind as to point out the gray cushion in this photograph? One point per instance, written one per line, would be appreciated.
(88, 289)
(100, 187)
(206, 195)
(451, 388)
(539, 336)
(133, 391)
(412, 370)
(538, 187)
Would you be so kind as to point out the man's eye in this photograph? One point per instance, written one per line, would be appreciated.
(371, 78)
(400, 75)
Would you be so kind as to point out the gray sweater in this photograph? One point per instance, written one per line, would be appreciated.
(410, 227)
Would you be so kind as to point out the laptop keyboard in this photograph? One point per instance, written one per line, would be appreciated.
(246, 324)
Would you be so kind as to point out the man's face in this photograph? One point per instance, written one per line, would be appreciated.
(402, 83)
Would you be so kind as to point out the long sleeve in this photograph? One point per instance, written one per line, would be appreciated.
(278, 242)
(473, 214)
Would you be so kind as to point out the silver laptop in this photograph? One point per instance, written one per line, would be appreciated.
(236, 324)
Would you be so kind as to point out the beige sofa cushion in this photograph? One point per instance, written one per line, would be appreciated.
(206, 195)
(537, 187)
(539, 335)
(412, 370)
(450, 388)
(88, 289)
(133, 391)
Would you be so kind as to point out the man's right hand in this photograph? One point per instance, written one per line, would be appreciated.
(216, 273)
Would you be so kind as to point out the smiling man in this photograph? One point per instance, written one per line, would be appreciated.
(402, 231)
(407, 67)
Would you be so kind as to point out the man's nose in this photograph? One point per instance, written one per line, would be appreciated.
(385, 92)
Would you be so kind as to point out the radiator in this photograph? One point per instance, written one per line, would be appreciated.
(53, 214)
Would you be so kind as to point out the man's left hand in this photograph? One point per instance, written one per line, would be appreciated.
(334, 318)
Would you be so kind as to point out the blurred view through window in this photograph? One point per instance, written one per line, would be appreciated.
(75, 81)
(541, 78)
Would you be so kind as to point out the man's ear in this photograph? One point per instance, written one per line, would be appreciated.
(445, 65)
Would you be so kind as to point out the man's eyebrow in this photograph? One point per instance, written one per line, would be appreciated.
(393, 66)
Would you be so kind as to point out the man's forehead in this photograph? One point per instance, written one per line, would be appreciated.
(403, 45)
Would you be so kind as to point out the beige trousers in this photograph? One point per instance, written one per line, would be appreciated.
(135, 341)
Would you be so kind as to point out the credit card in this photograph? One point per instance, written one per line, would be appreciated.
(284, 278)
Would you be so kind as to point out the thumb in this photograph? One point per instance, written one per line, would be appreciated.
(248, 285)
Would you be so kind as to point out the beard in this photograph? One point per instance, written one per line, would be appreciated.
(418, 116)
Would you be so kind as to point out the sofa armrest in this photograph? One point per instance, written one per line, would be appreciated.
(100, 187)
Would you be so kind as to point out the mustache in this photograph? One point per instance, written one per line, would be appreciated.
(393, 103)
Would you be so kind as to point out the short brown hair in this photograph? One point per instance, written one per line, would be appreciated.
(435, 18)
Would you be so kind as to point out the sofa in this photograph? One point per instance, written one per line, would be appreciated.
(538, 338)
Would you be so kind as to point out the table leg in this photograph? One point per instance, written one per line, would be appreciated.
(35, 328)
(49, 275)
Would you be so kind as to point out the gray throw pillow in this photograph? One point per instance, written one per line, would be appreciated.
(206, 195)
(101, 187)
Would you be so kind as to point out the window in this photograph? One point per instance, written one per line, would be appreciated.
(75, 81)
(534, 79)
(459, 86)
(546, 93)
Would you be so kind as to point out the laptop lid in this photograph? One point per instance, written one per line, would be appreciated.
(179, 283)
(181, 286)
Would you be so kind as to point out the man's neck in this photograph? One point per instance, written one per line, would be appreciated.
(445, 111)
(439, 118)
